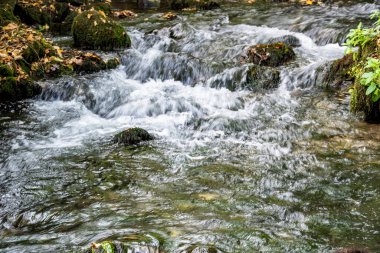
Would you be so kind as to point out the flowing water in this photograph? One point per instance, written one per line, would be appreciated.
(285, 170)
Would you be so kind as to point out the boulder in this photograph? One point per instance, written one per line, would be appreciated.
(33, 14)
(133, 136)
(272, 55)
(262, 78)
(13, 89)
(94, 30)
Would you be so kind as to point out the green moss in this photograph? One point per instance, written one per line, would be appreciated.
(6, 15)
(359, 101)
(339, 72)
(12, 89)
(37, 50)
(273, 55)
(6, 70)
(133, 136)
(91, 30)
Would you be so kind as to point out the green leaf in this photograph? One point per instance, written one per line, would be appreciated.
(371, 89)
(375, 98)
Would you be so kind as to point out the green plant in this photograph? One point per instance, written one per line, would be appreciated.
(371, 78)
(360, 36)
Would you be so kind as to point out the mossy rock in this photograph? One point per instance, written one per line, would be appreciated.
(51, 69)
(6, 14)
(133, 136)
(338, 72)
(32, 15)
(36, 50)
(105, 7)
(64, 27)
(92, 30)
(272, 55)
(262, 78)
(200, 5)
(13, 89)
(113, 63)
(6, 70)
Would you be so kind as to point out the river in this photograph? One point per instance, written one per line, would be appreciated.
(284, 170)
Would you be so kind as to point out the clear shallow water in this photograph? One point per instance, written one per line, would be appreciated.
(288, 170)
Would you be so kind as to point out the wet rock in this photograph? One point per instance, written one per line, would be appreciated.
(337, 74)
(112, 63)
(180, 31)
(130, 243)
(133, 136)
(260, 77)
(94, 30)
(289, 40)
(272, 55)
(13, 89)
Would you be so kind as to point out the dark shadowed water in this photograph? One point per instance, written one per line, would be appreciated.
(286, 170)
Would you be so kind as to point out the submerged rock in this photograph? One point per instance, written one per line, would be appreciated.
(289, 40)
(201, 249)
(130, 243)
(272, 55)
(260, 77)
(133, 136)
(94, 30)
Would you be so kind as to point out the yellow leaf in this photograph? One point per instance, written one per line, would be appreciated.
(30, 37)
(89, 15)
(95, 23)
(102, 13)
(10, 26)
